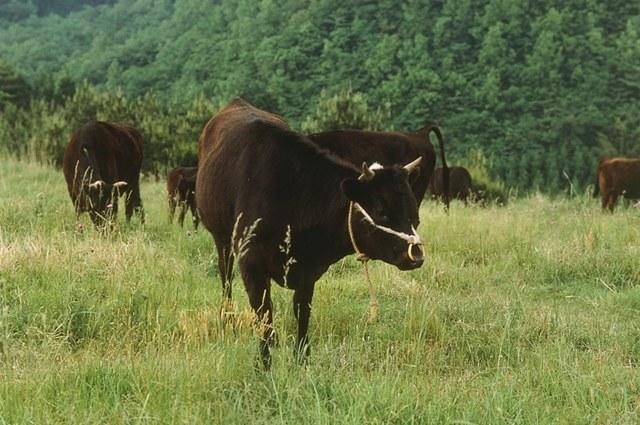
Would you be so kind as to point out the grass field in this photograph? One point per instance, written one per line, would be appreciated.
(522, 314)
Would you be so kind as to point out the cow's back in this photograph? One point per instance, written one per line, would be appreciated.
(385, 148)
(233, 115)
(620, 176)
(229, 155)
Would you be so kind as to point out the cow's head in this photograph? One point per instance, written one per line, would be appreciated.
(384, 214)
(101, 195)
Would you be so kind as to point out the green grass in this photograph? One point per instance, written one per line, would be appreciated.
(522, 314)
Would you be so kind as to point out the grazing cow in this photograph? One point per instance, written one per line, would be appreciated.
(389, 148)
(287, 210)
(617, 177)
(460, 186)
(181, 190)
(101, 162)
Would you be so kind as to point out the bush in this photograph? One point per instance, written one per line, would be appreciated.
(346, 109)
(42, 130)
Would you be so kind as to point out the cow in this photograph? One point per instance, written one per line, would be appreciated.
(101, 162)
(388, 148)
(460, 184)
(287, 209)
(617, 177)
(181, 191)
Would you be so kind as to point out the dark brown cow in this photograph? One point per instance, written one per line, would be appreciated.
(181, 191)
(259, 182)
(618, 177)
(460, 185)
(101, 162)
(388, 148)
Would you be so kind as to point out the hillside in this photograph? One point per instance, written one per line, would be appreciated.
(544, 89)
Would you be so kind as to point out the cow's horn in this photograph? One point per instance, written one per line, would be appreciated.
(120, 184)
(96, 184)
(367, 173)
(413, 164)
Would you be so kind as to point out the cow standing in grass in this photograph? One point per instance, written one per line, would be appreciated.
(181, 191)
(287, 210)
(389, 148)
(460, 184)
(617, 177)
(101, 162)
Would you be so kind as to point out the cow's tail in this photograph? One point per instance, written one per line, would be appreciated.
(445, 168)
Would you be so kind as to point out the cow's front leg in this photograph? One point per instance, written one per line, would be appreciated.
(258, 286)
(302, 310)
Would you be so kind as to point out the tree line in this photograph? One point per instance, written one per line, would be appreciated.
(542, 89)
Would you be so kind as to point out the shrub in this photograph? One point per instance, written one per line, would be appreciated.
(345, 109)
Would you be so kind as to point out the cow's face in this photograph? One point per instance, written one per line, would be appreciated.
(384, 215)
(101, 195)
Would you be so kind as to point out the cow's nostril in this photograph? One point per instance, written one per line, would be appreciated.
(415, 253)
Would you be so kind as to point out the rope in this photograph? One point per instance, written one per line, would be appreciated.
(362, 257)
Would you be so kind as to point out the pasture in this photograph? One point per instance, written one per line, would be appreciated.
(528, 313)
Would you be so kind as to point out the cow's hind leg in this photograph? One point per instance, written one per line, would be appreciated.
(610, 201)
(172, 207)
(302, 310)
(194, 214)
(225, 266)
(258, 286)
(183, 212)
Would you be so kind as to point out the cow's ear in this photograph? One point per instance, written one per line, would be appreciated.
(353, 189)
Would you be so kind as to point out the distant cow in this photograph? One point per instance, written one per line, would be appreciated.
(389, 148)
(181, 191)
(460, 186)
(259, 182)
(617, 177)
(101, 162)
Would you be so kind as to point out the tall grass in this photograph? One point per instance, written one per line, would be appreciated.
(522, 314)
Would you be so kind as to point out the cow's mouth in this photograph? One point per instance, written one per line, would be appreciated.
(412, 258)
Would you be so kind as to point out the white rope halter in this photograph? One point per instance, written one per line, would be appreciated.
(412, 240)
(363, 258)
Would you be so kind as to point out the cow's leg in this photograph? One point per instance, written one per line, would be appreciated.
(605, 199)
(225, 266)
(183, 211)
(302, 310)
(194, 214)
(172, 207)
(613, 197)
(134, 202)
(258, 287)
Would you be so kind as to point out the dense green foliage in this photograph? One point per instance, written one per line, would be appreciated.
(542, 88)
(526, 314)
(42, 131)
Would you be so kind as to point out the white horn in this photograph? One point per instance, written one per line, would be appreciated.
(96, 184)
(413, 164)
(367, 173)
(120, 184)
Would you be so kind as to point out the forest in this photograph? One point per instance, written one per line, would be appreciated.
(540, 89)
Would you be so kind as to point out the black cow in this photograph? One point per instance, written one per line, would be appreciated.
(101, 162)
(259, 181)
(460, 184)
(388, 148)
(181, 191)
